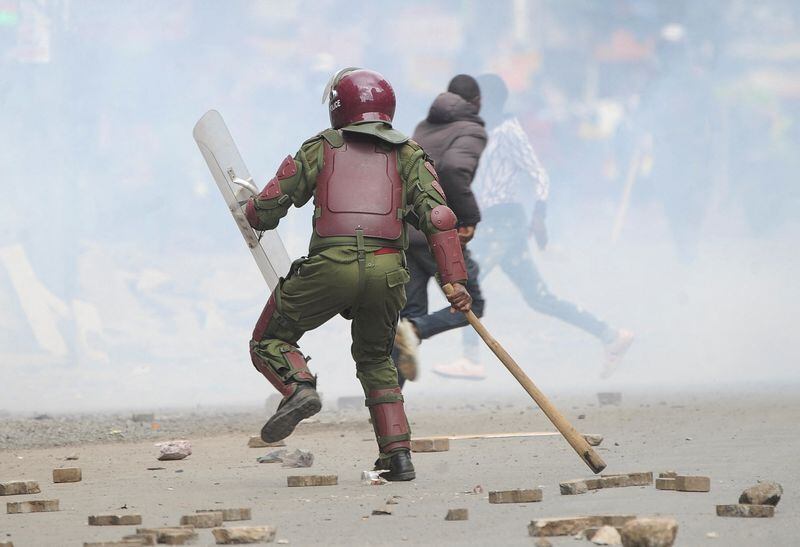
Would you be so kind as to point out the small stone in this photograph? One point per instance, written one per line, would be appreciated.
(174, 450)
(244, 534)
(239, 513)
(114, 520)
(211, 519)
(457, 514)
(663, 483)
(312, 480)
(763, 493)
(746, 511)
(256, 442)
(649, 532)
(71, 457)
(543, 542)
(16, 488)
(668, 475)
(387, 510)
(430, 445)
(593, 439)
(606, 535)
(687, 483)
(67, 474)
(33, 506)
(516, 496)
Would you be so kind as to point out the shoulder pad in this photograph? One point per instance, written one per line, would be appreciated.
(331, 136)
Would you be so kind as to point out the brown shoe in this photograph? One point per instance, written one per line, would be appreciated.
(407, 343)
(615, 351)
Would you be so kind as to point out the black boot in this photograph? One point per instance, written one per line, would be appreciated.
(303, 403)
(399, 466)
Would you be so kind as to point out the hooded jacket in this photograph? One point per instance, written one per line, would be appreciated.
(454, 137)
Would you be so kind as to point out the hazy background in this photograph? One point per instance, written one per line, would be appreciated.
(125, 284)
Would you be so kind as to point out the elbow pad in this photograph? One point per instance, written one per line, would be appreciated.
(446, 249)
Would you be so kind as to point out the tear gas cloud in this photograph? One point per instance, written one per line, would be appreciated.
(668, 129)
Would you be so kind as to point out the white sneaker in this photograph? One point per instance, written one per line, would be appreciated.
(615, 351)
(462, 368)
(407, 343)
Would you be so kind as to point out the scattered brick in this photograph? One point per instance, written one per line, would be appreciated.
(67, 474)
(239, 513)
(145, 539)
(763, 493)
(34, 506)
(114, 520)
(664, 483)
(581, 486)
(668, 475)
(171, 535)
(744, 510)
(430, 445)
(568, 526)
(516, 496)
(649, 532)
(212, 519)
(312, 480)
(244, 534)
(686, 483)
(386, 510)
(457, 514)
(16, 488)
(6, 544)
(256, 442)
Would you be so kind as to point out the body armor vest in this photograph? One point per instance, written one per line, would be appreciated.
(359, 189)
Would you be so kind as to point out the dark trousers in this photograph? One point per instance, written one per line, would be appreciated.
(422, 267)
(502, 241)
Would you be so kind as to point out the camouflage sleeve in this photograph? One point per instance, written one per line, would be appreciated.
(293, 184)
(423, 191)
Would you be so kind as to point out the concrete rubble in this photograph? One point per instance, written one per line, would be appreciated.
(430, 445)
(234, 514)
(171, 535)
(688, 483)
(582, 486)
(211, 519)
(649, 532)
(312, 480)
(33, 506)
(606, 535)
(568, 526)
(457, 514)
(742, 510)
(17, 488)
(67, 474)
(114, 520)
(174, 450)
(244, 534)
(763, 493)
(516, 496)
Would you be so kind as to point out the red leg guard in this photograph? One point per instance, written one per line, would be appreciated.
(389, 419)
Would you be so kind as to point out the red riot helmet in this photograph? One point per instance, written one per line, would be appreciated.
(358, 94)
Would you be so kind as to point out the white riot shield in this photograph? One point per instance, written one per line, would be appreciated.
(236, 185)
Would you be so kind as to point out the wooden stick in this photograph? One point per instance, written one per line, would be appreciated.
(575, 439)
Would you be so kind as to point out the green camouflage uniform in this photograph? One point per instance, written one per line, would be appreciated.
(343, 275)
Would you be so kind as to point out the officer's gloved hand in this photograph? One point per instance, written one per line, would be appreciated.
(459, 299)
(465, 234)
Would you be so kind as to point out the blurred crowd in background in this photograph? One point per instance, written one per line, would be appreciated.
(114, 244)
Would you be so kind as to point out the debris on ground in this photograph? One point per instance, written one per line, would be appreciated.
(457, 514)
(687, 483)
(606, 535)
(430, 445)
(238, 513)
(275, 456)
(516, 496)
(312, 480)
(114, 520)
(33, 506)
(67, 474)
(649, 532)
(568, 526)
(372, 478)
(581, 486)
(244, 534)
(174, 450)
(298, 458)
(743, 510)
(17, 488)
(210, 519)
(763, 493)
